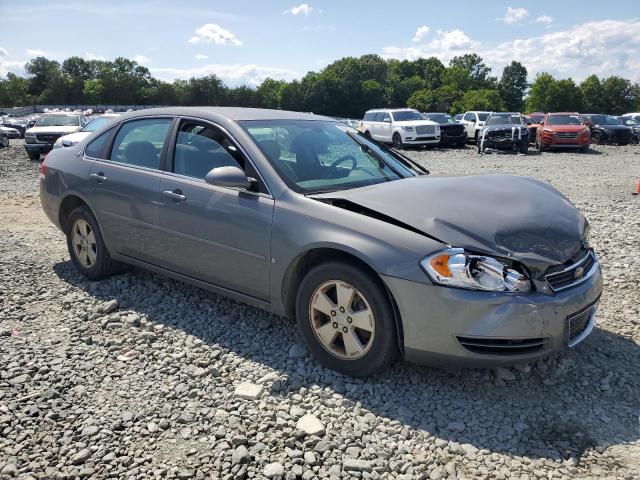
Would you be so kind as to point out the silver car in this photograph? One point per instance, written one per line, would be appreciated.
(304, 216)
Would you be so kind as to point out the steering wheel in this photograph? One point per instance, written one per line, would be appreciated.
(333, 169)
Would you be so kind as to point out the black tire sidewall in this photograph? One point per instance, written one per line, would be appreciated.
(102, 255)
(393, 140)
(385, 344)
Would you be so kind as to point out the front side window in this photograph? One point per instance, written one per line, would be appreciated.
(386, 117)
(483, 116)
(468, 117)
(200, 148)
(317, 156)
(139, 142)
(604, 120)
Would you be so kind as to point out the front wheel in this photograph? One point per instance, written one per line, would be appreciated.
(596, 138)
(524, 148)
(33, 156)
(4, 141)
(397, 141)
(86, 247)
(345, 317)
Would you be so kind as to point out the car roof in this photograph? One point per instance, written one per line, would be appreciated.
(506, 113)
(567, 113)
(70, 114)
(392, 110)
(231, 113)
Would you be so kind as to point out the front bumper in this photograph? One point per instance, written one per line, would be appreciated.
(421, 140)
(437, 321)
(551, 141)
(38, 147)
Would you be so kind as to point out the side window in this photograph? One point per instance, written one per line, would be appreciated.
(378, 117)
(139, 142)
(468, 117)
(200, 148)
(95, 149)
(385, 116)
(368, 117)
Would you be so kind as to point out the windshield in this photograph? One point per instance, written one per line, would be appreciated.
(537, 118)
(96, 123)
(629, 122)
(504, 119)
(314, 156)
(483, 116)
(564, 120)
(58, 121)
(604, 120)
(405, 115)
(439, 117)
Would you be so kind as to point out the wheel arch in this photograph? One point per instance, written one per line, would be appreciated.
(69, 203)
(305, 261)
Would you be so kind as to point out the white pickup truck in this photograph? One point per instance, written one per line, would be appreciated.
(473, 123)
(400, 127)
(40, 138)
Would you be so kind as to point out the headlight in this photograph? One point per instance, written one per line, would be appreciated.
(455, 268)
(30, 135)
(408, 129)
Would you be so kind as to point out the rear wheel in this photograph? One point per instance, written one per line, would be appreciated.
(86, 246)
(345, 317)
(397, 141)
(4, 141)
(34, 156)
(367, 134)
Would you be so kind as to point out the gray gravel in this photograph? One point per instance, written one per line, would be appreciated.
(143, 377)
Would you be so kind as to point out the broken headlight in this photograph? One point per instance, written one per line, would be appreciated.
(456, 268)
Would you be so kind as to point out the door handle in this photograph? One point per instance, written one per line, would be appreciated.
(175, 195)
(99, 177)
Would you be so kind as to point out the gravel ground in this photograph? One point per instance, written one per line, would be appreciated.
(143, 377)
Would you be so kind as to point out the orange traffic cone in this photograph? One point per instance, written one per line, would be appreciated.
(637, 192)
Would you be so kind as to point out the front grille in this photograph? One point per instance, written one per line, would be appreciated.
(499, 134)
(502, 346)
(568, 135)
(573, 274)
(580, 324)
(48, 137)
(452, 131)
(425, 129)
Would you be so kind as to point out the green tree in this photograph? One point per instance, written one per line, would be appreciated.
(14, 91)
(513, 85)
(485, 99)
(93, 91)
(476, 68)
(542, 94)
(618, 95)
(439, 100)
(592, 94)
(270, 93)
(292, 96)
(568, 96)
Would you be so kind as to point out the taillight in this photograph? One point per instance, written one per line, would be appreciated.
(43, 168)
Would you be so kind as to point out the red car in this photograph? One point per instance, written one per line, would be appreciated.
(535, 118)
(563, 130)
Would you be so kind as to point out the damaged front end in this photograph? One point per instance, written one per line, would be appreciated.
(503, 139)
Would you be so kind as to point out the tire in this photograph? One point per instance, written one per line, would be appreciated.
(33, 156)
(367, 134)
(96, 265)
(397, 141)
(585, 149)
(368, 295)
(478, 147)
(4, 141)
(596, 138)
(524, 148)
(475, 137)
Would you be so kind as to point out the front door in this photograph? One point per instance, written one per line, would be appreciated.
(125, 189)
(215, 234)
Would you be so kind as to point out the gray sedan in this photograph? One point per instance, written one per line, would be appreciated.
(303, 216)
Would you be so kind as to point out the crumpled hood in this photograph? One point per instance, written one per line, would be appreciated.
(503, 215)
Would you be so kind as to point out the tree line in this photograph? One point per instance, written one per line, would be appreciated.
(346, 88)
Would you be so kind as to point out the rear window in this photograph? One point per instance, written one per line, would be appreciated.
(368, 116)
(139, 142)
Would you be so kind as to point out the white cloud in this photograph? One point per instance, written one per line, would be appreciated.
(93, 56)
(420, 33)
(141, 59)
(237, 74)
(513, 15)
(3, 52)
(214, 33)
(200, 57)
(36, 53)
(545, 19)
(13, 66)
(318, 28)
(302, 9)
(605, 47)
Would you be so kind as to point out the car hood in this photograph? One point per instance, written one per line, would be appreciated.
(504, 128)
(565, 128)
(54, 129)
(503, 215)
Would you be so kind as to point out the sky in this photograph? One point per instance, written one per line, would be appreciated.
(244, 42)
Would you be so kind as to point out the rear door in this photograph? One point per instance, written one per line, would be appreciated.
(215, 234)
(125, 192)
(469, 122)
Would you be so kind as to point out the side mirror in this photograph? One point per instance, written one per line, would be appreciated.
(387, 120)
(229, 177)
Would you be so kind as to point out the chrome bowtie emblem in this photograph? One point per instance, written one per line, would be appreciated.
(579, 272)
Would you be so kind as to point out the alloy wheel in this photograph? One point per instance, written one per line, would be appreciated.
(397, 141)
(342, 319)
(84, 243)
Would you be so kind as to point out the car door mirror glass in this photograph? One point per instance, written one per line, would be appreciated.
(228, 176)
(387, 120)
